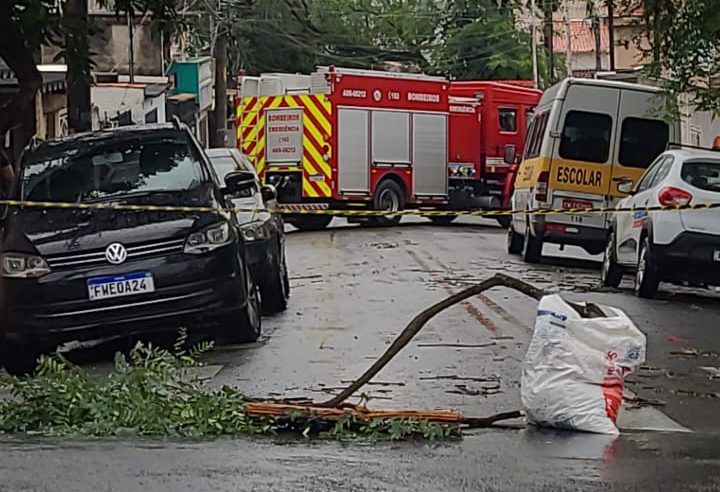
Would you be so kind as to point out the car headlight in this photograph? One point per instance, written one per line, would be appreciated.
(208, 239)
(18, 265)
(254, 231)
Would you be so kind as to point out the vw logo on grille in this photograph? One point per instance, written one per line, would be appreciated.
(116, 253)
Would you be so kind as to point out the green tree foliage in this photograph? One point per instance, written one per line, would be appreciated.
(684, 47)
(481, 42)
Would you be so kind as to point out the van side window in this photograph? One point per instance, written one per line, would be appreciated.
(641, 141)
(507, 119)
(586, 137)
(535, 135)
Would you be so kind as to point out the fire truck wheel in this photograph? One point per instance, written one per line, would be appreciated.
(504, 221)
(310, 222)
(389, 197)
(443, 221)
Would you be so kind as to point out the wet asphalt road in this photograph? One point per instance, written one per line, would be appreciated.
(353, 291)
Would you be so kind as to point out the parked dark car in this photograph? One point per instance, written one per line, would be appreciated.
(264, 232)
(78, 274)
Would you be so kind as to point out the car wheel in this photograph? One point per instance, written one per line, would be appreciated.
(389, 197)
(532, 247)
(245, 326)
(504, 221)
(311, 222)
(647, 279)
(443, 220)
(18, 360)
(514, 241)
(611, 273)
(275, 293)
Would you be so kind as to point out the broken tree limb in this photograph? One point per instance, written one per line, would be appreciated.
(412, 329)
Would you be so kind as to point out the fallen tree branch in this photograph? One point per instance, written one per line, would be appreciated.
(414, 327)
(587, 310)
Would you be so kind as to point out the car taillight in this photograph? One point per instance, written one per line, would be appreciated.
(541, 188)
(674, 197)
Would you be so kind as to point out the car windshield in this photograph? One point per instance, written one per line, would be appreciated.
(702, 174)
(115, 168)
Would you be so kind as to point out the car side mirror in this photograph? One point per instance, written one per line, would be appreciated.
(625, 186)
(269, 193)
(238, 182)
(510, 154)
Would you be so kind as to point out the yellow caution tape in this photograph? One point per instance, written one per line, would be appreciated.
(354, 213)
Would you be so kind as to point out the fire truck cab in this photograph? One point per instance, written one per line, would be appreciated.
(488, 125)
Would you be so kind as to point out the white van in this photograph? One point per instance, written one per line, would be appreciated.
(587, 137)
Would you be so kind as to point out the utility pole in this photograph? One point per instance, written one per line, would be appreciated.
(131, 48)
(219, 139)
(568, 42)
(533, 43)
(611, 32)
(598, 45)
(548, 35)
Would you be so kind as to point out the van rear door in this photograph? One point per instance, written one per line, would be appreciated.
(581, 169)
(642, 135)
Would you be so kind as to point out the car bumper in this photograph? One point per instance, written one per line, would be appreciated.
(590, 238)
(690, 257)
(188, 290)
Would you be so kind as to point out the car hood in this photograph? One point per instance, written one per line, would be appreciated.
(54, 231)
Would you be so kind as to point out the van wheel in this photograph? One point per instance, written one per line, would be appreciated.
(647, 279)
(244, 326)
(514, 241)
(311, 222)
(532, 247)
(612, 272)
(389, 197)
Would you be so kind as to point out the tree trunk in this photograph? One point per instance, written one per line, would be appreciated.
(19, 58)
(77, 56)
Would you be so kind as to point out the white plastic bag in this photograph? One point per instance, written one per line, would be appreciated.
(574, 368)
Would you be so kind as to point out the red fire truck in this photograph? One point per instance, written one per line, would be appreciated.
(359, 139)
(488, 124)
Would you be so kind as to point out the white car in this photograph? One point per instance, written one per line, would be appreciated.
(680, 246)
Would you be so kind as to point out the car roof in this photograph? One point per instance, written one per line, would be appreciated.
(684, 154)
(218, 152)
(102, 136)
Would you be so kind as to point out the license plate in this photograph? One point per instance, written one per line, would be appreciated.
(716, 256)
(577, 204)
(120, 285)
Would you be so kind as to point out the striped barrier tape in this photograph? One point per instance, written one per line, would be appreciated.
(354, 213)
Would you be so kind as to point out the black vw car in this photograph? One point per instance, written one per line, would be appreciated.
(83, 274)
(263, 231)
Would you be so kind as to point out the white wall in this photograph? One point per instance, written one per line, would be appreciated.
(113, 99)
(153, 103)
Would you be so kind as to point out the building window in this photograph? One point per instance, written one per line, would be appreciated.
(507, 118)
(586, 137)
(641, 141)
